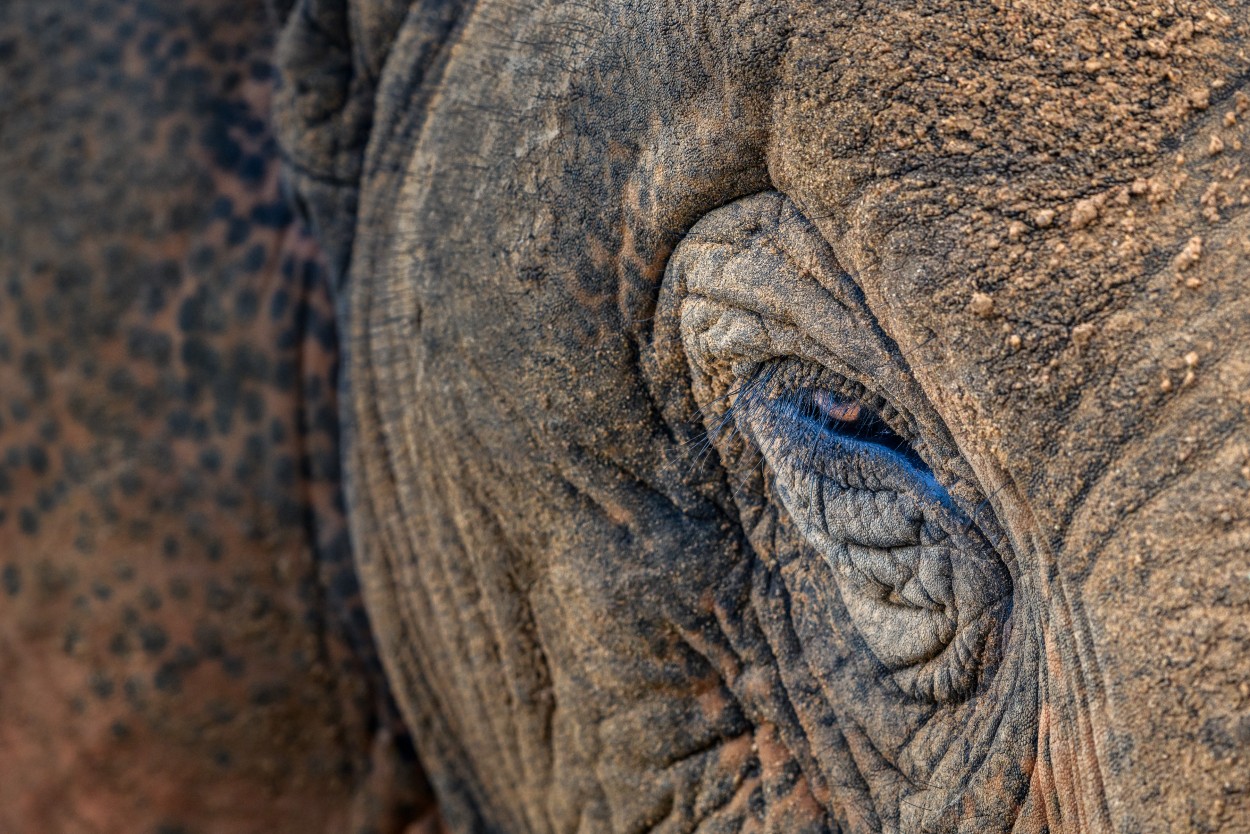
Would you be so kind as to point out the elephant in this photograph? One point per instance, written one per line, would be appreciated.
(182, 642)
(642, 416)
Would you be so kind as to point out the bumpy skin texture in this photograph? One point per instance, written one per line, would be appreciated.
(1028, 226)
(593, 264)
(182, 643)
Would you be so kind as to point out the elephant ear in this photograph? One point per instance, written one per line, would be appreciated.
(330, 56)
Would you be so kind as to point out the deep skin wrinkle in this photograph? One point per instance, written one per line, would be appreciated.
(547, 242)
(937, 156)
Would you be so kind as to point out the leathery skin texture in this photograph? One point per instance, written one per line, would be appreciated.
(748, 416)
(807, 416)
(182, 644)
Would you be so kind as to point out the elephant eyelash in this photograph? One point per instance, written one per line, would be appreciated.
(816, 407)
(824, 415)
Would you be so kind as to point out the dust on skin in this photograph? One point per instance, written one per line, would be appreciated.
(1070, 184)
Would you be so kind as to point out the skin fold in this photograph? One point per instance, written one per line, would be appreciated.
(748, 416)
(567, 585)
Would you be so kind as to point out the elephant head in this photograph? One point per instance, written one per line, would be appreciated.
(795, 416)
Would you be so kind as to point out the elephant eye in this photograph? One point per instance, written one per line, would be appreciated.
(832, 414)
(844, 475)
(812, 422)
(915, 576)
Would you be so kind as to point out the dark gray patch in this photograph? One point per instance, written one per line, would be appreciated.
(218, 597)
(168, 678)
(11, 578)
(208, 640)
(101, 685)
(153, 638)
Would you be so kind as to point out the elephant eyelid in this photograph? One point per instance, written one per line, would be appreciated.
(821, 416)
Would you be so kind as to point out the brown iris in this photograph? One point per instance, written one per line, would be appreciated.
(835, 409)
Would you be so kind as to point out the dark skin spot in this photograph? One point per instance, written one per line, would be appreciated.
(222, 207)
(278, 305)
(71, 640)
(245, 468)
(272, 215)
(219, 712)
(44, 500)
(153, 638)
(201, 360)
(150, 346)
(149, 43)
(133, 690)
(32, 370)
(37, 459)
(11, 578)
(119, 645)
(246, 303)
(202, 259)
(225, 150)
(179, 423)
(199, 430)
(757, 803)
(234, 667)
(191, 315)
(168, 678)
(208, 640)
(252, 170)
(186, 657)
(253, 407)
(121, 382)
(130, 483)
(265, 694)
(101, 686)
(217, 597)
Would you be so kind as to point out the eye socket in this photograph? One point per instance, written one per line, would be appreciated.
(915, 576)
(838, 454)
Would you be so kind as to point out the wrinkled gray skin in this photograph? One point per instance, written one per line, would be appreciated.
(605, 277)
(615, 586)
